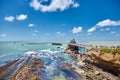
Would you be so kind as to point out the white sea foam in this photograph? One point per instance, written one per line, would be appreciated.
(49, 51)
(29, 53)
(51, 68)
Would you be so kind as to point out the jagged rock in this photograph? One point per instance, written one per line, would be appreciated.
(80, 63)
(97, 72)
(73, 41)
(72, 47)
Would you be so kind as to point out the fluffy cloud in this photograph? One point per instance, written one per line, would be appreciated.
(60, 34)
(106, 29)
(91, 29)
(108, 22)
(53, 6)
(76, 30)
(3, 35)
(30, 25)
(89, 33)
(9, 18)
(104, 23)
(34, 34)
(36, 31)
(21, 17)
(113, 32)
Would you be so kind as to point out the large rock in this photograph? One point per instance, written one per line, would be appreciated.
(72, 47)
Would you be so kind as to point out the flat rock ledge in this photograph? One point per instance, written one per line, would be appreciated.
(28, 70)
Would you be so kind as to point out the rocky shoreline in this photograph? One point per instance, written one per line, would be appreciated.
(90, 66)
(24, 72)
(93, 66)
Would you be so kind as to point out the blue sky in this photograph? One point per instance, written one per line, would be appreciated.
(59, 20)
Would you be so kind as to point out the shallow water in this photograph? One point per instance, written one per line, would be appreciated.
(51, 56)
(53, 60)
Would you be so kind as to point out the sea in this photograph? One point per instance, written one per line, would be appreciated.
(48, 53)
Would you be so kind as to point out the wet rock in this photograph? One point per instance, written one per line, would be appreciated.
(97, 72)
(72, 48)
(27, 71)
(57, 44)
(80, 63)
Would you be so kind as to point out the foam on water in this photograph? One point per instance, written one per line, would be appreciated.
(29, 53)
(52, 60)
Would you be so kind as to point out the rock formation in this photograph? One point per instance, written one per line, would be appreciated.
(72, 47)
(59, 44)
(95, 66)
(28, 70)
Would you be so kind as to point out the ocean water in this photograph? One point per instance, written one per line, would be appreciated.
(50, 55)
(12, 50)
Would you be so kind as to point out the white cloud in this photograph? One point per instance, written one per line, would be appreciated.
(60, 34)
(36, 31)
(75, 5)
(89, 34)
(107, 29)
(9, 18)
(108, 22)
(34, 34)
(21, 17)
(113, 32)
(104, 23)
(76, 30)
(3, 35)
(91, 29)
(55, 5)
(30, 25)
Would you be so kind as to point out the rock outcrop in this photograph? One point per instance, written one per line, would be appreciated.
(94, 64)
(97, 69)
(22, 69)
(59, 44)
(72, 47)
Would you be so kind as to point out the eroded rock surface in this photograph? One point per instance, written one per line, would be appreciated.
(94, 65)
(72, 47)
(29, 69)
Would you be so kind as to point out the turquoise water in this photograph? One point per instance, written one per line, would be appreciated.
(12, 50)
(51, 56)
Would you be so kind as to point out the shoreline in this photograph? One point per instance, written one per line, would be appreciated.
(94, 62)
(90, 66)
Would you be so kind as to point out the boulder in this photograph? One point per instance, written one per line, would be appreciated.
(72, 47)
